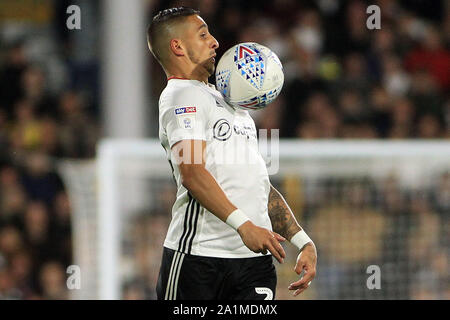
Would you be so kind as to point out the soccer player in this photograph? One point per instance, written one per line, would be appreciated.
(227, 218)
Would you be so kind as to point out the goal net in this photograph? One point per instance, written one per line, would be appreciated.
(377, 212)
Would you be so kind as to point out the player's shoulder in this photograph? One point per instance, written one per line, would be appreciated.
(182, 90)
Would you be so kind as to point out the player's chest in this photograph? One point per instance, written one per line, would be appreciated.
(227, 125)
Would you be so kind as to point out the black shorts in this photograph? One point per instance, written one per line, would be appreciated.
(188, 277)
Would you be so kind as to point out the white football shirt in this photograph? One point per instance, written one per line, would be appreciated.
(191, 109)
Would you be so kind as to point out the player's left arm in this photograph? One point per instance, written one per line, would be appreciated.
(284, 223)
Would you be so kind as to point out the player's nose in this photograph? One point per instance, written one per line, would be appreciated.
(214, 43)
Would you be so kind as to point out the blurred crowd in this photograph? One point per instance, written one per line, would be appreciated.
(42, 120)
(342, 80)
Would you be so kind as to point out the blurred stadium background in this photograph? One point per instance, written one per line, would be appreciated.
(364, 95)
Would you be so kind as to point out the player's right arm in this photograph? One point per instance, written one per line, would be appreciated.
(189, 156)
(184, 116)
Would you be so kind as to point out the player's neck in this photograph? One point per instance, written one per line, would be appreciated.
(188, 75)
(201, 79)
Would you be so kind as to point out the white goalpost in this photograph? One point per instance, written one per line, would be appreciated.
(130, 180)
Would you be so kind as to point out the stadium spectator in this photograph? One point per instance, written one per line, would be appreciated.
(78, 131)
(52, 281)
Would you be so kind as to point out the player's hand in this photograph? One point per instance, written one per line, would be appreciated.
(306, 261)
(261, 240)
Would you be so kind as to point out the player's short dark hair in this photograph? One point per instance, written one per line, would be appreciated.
(159, 26)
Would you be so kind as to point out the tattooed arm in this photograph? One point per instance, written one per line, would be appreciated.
(281, 216)
(284, 223)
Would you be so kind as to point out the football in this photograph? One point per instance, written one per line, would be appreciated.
(249, 76)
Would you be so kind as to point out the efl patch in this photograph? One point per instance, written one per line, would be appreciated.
(187, 122)
(186, 117)
(185, 110)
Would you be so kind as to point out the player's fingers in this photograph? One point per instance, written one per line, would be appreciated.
(305, 280)
(279, 248)
(299, 266)
(296, 285)
(274, 252)
(297, 292)
(308, 277)
(279, 237)
(299, 285)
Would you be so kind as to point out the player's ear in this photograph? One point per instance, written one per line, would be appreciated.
(176, 47)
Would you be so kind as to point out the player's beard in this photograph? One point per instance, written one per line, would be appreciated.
(208, 64)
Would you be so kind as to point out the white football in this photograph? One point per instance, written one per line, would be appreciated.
(249, 76)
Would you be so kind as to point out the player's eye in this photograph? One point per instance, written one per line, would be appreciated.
(203, 35)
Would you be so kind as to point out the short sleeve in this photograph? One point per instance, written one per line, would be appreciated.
(184, 115)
